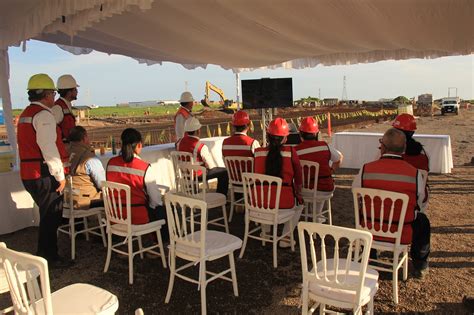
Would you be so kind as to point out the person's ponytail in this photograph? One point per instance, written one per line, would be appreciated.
(130, 139)
(274, 161)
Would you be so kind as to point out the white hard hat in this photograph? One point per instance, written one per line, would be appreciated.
(66, 81)
(191, 124)
(186, 97)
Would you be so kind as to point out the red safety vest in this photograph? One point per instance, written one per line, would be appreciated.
(32, 163)
(68, 122)
(396, 175)
(133, 175)
(419, 161)
(191, 145)
(238, 145)
(318, 151)
(287, 196)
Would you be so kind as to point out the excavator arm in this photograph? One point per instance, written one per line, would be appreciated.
(226, 103)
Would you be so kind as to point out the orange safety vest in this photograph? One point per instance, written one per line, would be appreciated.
(32, 163)
(191, 145)
(318, 151)
(133, 175)
(287, 196)
(396, 175)
(68, 122)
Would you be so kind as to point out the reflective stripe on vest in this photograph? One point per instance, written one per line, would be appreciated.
(126, 170)
(286, 154)
(236, 147)
(389, 177)
(311, 150)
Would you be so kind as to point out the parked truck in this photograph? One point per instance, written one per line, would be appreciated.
(450, 105)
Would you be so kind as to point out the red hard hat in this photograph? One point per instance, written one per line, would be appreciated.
(309, 125)
(240, 118)
(405, 122)
(278, 127)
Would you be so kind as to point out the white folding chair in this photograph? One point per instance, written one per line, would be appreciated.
(197, 245)
(424, 175)
(311, 195)
(390, 207)
(36, 298)
(190, 177)
(180, 156)
(259, 209)
(236, 165)
(72, 214)
(335, 276)
(119, 222)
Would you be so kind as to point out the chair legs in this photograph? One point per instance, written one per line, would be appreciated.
(305, 298)
(224, 214)
(232, 204)
(162, 251)
(233, 273)
(86, 228)
(72, 235)
(275, 247)
(140, 246)
(130, 260)
(246, 235)
(109, 251)
(203, 285)
(102, 232)
(172, 275)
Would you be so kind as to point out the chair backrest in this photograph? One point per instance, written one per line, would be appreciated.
(380, 212)
(182, 213)
(189, 177)
(117, 203)
(17, 266)
(339, 248)
(310, 172)
(180, 156)
(236, 165)
(261, 192)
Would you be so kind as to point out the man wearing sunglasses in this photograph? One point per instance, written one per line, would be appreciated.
(42, 163)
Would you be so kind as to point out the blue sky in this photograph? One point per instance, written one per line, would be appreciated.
(106, 80)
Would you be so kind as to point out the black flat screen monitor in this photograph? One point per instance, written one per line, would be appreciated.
(267, 93)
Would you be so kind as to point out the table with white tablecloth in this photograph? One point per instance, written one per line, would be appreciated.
(17, 209)
(359, 148)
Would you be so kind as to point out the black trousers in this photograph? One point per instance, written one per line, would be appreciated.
(159, 213)
(50, 203)
(420, 243)
(222, 178)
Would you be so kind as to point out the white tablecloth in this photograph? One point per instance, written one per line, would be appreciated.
(359, 148)
(17, 209)
(159, 157)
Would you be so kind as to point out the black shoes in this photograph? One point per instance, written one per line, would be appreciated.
(420, 274)
(59, 262)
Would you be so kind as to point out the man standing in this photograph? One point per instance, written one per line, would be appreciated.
(392, 173)
(239, 144)
(86, 170)
(183, 114)
(62, 110)
(42, 154)
(192, 144)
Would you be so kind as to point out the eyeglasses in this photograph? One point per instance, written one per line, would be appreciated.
(381, 142)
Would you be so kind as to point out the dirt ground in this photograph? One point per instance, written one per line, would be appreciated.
(264, 290)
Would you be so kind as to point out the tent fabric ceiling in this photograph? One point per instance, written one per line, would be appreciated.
(246, 34)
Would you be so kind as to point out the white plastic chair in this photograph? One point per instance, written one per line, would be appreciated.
(195, 186)
(72, 214)
(117, 197)
(366, 202)
(36, 298)
(180, 156)
(310, 192)
(424, 175)
(336, 278)
(197, 246)
(258, 208)
(236, 165)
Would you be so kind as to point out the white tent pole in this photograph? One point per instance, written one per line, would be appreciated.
(237, 86)
(7, 104)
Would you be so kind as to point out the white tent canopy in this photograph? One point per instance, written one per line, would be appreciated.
(240, 34)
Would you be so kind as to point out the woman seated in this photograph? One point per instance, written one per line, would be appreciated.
(127, 168)
(280, 160)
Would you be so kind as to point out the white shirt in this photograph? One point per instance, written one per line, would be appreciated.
(179, 125)
(255, 143)
(420, 188)
(206, 155)
(57, 110)
(44, 124)
(335, 154)
(153, 190)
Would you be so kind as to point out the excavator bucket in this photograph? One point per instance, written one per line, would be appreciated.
(204, 103)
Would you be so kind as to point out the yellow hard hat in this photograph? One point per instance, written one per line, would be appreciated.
(41, 81)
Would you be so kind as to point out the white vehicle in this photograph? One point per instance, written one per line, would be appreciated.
(450, 105)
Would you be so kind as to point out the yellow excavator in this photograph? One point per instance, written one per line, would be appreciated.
(225, 104)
